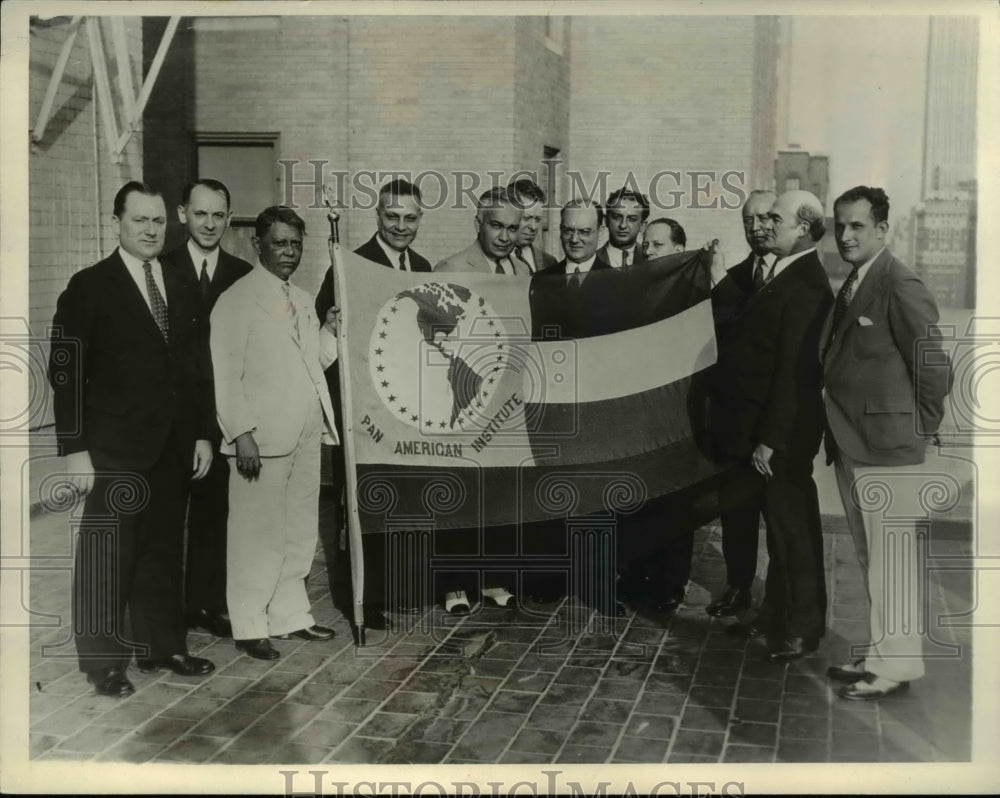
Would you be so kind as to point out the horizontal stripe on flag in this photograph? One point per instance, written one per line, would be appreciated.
(607, 430)
(448, 498)
(633, 361)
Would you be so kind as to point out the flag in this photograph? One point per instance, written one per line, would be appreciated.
(484, 400)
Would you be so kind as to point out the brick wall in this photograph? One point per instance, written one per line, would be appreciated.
(72, 179)
(674, 93)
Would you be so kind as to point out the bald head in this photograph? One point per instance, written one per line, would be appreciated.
(796, 222)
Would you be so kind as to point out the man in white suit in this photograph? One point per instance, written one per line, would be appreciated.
(269, 352)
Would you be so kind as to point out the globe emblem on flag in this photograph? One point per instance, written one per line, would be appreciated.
(436, 355)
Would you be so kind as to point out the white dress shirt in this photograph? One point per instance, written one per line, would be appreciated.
(616, 262)
(862, 271)
(197, 256)
(582, 267)
(783, 263)
(134, 266)
(393, 255)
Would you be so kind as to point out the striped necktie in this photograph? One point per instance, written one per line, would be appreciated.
(844, 298)
(290, 308)
(156, 303)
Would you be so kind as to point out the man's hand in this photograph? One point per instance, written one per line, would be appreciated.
(80, 472)
(247, 456)
(761, 459)
(717, 269)
(332, 319)
(202, 459)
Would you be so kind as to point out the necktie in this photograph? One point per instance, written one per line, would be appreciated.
(519, 252)
(290, 309)
(844, 299)
(156, 303)
(575, 278)
(205, 282)
(499, 269)
(758, 274)
(624, 258)
(402, 261)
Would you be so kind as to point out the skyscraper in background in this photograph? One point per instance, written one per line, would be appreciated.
(944, 223)
(950, 116)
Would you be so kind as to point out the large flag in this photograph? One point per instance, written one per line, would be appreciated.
(477, 400)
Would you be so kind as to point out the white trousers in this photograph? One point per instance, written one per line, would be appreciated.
(890, 525)
(272, 536)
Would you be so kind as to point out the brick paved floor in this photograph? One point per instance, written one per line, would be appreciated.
(532, 686)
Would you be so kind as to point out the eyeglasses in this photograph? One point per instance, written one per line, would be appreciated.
(569, 232)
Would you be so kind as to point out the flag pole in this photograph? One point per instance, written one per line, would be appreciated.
(351, 474)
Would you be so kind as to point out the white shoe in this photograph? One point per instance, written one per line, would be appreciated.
(500, 596)
(456, 603)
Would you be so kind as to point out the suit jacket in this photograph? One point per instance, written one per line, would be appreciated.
(879, 396)
(260, 369)
(559, 310)
(228, 270)
(118, 386)
(541, 258)
(473, 259)
(766, 384)
(604, 254)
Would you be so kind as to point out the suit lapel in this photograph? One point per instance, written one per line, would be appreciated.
(870, 288)
(270, 300)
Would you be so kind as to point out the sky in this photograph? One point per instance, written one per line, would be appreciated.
(857, 94)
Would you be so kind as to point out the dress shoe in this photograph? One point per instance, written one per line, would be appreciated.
(731, 602)
(500, 597)
(871, 688)
(260, 648)
(217, 623)
(847, 673)
(181, 664)
(309, 633)
(790, 648)
(456, 603)
(111, 682)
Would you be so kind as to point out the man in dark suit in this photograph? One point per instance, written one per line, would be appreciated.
(766, 412)
(884, 402)
(740, 518)
(662, 237)
(527, 249)
(397, 221)
(626, 214)
(206, 268)
(131, 382)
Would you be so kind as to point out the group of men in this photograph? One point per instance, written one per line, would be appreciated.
(797, 365)
(200, 378)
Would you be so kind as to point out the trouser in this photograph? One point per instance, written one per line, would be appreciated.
(795, 589)
(742, 499)
(208, 513)
(273, 531)
(129, 555)
(881, 504)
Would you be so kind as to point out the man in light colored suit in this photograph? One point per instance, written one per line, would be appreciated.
(269, 351)
(883, 404)
(498, 220)
(527, 250)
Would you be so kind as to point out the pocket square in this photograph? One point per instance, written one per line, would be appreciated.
(864, 321)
